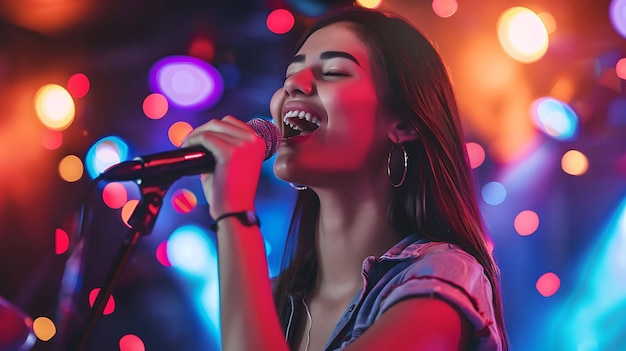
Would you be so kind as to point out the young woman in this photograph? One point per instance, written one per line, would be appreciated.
(386, 249)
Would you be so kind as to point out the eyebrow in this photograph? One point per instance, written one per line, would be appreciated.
(326, 55)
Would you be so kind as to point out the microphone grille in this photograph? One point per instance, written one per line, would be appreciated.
(269, 132)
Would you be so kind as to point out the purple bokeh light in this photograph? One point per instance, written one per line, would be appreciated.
(187, 81)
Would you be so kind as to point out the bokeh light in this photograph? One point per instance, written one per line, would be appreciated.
(202, 48)
(78, 85)
(105, 153)
(178, 132)
(555, 118)
(310, 8)
(61, 241)
(548, 21)
(155, 106)
(369, 4)
(114, 195)
(131, 342)
(44, 328)
(184, 201)
(187, 81)
(548, 284)
(127, 211)
(574, 163)
(189, 250)
(280, 21)
(620, 68)
(51, 139)
(522, 34)
(71, 168)
(493, 193)
(546, 152)
(617, 15)
(161, 254)
(526, 222)
(55, 107)
(110, 305)
(476, 154)
(445, 8)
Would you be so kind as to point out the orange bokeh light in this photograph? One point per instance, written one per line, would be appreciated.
(178, 132)
(128, 210)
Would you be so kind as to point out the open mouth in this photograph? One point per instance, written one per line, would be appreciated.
(299, 123)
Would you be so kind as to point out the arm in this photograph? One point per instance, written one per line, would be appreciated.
(418, 323)
(248, 318)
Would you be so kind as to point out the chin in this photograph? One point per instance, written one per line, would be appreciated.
(288, 171)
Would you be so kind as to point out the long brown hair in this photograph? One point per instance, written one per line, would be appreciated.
(438, 200)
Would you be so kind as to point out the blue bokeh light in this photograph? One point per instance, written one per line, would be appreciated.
(494, 193)
(555, 118)
(105, 153)
(189, 250)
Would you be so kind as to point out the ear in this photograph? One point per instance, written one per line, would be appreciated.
(402, 132)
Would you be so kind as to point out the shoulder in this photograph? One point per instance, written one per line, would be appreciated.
(442, 269)
(448, 262)
(447, 272)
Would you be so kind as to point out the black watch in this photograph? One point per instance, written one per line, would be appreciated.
(247, 218)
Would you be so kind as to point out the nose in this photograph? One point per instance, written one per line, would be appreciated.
(301, 82)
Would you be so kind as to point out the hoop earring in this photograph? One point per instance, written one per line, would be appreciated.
(393, 161)
(298, 186)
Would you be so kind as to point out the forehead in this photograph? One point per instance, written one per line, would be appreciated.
(336, 37)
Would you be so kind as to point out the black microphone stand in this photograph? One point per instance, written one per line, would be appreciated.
(141, 221)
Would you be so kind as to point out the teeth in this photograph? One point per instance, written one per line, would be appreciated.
(301, 115)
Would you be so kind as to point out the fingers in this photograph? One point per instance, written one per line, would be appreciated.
(227, 128)
(227, 137)
(238, 154)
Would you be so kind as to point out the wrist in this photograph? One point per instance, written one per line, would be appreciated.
(248, 218)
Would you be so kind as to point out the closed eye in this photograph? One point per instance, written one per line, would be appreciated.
(335, 74)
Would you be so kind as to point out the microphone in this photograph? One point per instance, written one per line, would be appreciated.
(185, 161)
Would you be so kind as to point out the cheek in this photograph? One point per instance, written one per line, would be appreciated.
(356, 107)
(276, 104)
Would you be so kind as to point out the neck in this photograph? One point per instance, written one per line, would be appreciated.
(352, 225)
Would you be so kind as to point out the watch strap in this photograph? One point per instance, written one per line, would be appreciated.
(247, 218)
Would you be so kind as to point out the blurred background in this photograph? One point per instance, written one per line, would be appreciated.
(85, 84)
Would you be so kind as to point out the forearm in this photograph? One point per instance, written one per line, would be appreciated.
(248, 316)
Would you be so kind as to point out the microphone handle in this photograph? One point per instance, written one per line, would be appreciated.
(177, 163)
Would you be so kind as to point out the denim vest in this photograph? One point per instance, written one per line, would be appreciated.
(420, 268)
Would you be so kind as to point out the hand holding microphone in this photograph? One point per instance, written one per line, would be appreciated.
(239, 151)
(228, 152)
